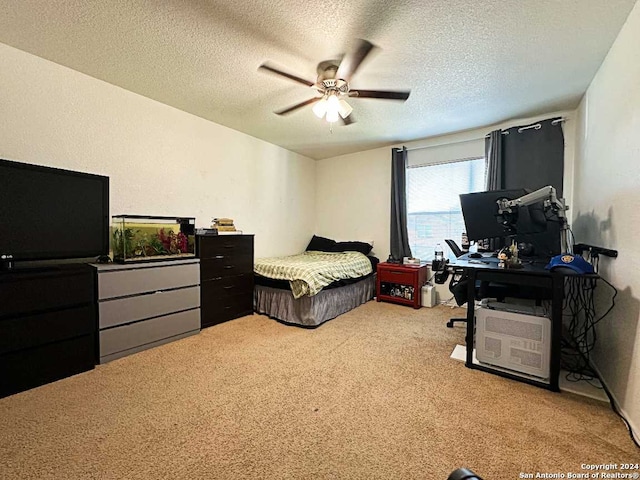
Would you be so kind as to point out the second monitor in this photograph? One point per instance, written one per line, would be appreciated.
(527, 224)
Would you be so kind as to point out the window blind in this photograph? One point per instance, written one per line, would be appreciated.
(433, 202)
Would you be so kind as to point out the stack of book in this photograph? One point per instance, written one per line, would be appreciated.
(225, 226)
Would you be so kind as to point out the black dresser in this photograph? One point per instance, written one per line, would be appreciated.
(48, 325)
(226, 277)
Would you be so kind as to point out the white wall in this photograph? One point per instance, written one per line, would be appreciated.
(354, 191)
(160, 160)
(607, 208)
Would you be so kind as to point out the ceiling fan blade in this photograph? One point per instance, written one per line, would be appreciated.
(387, 95)
(352, 60)
(271, 69)
(297, 106)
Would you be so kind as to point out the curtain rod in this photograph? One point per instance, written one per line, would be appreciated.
(537, 126)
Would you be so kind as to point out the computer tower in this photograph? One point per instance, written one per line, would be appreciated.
(515, 337)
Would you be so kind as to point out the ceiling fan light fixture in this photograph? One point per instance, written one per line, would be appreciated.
(320, 108)
(333, 107)
(332, 116)
(344, 109)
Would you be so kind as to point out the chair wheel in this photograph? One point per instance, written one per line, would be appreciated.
(450, 324)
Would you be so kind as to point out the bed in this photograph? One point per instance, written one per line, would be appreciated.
(308, 289)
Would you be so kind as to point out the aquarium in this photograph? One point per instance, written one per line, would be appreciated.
(141, 238)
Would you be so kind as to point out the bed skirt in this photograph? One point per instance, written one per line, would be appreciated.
(312, 311)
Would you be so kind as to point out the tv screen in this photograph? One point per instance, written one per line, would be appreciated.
(49, 213)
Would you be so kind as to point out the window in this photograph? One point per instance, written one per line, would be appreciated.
(433, 202)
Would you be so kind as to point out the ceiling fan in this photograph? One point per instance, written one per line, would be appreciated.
(333, 86)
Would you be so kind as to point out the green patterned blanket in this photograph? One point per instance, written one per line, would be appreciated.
(310, 272)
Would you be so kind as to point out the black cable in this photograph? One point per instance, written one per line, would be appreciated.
(581, 329)
(614, 407)
(578, 331)
(613, 299)
(617, 412)
(580, 305)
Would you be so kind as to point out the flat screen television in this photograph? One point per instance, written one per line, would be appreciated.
(49, 213)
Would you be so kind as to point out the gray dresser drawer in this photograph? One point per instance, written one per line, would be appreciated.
(137, 335)
(131, 309)
(132, 281)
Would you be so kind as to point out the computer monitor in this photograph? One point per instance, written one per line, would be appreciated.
(526, 224)
(480, 212)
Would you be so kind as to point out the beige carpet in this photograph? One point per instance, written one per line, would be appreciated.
(371, 394)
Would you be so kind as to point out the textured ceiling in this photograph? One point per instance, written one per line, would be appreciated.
(468, 63)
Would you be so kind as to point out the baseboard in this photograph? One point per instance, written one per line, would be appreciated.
(459, 354)
(579, 388)
(583, 388)
(635, 431)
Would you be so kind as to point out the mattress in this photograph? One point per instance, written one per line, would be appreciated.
(310, 272)
(284, 284)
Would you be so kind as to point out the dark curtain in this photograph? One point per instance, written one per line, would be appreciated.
(533, 158)
(494, 160)
(399, 234)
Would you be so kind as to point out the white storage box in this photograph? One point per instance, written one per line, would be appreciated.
(428, 296)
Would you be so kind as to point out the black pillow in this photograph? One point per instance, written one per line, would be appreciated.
(321, 244)
(362, 247)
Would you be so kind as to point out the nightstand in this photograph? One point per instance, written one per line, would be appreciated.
(397, 283)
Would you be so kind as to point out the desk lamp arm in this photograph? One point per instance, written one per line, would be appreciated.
(545, 194)
(550, 200)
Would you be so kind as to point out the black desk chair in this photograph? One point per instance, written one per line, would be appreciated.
(459, 282)
(458, 286)
(455, 249)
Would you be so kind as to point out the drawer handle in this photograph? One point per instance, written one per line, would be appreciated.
(229, 266)
(218, 257)
(229, 246)
(227, 308)
(216, 278)
(228, 287)
(397, 273)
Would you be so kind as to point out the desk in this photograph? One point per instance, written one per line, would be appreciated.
(534, 276)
